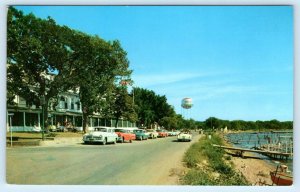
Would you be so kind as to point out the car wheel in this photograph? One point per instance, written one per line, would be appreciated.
(104, 141)
(141, 138)
(130, 140)
(122, 140)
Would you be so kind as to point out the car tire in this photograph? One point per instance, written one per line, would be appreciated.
(104, 141)
(130, 140)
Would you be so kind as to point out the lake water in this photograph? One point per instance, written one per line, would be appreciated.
(251, 140)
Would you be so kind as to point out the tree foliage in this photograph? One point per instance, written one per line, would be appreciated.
(274, 124)
(83, 63)
(35, 49)
(151, 108)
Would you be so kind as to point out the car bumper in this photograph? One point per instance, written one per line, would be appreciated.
(93, 140)
(184, 139)
(138, 137)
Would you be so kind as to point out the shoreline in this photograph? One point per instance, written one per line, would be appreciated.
(256, 171)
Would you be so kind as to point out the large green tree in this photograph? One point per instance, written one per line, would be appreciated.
(80, 62)
(122, 105)
(35, 50)
(96, 68)
(152, 108)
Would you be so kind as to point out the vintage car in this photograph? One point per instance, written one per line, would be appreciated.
(152, 134)
(173, 133)
(162, 133)
(140, 134)
(125, 135)
(101, 135)
(184, 136)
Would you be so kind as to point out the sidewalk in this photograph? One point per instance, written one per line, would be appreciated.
(62, 141)
(34, 139)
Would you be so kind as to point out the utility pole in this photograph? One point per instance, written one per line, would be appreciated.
(10, 122)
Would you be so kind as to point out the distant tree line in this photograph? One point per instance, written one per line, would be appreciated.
(215, 123)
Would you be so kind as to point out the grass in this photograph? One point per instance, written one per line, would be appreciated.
(208, 165)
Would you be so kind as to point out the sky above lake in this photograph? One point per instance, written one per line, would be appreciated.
(235, 62)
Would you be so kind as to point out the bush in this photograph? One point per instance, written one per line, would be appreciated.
(197, 177)
(51, 135)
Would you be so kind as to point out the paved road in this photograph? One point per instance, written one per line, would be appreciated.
(150, 162)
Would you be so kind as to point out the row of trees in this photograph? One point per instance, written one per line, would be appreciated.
(96, 69)
(215, 123)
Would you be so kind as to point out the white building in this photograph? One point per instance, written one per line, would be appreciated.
(68, 113)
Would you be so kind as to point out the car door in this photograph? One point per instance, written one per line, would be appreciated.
(111, 135)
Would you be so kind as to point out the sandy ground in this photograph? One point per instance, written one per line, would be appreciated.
(61, 141)
(256, 171)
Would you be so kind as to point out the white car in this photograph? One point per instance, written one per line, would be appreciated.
(101, 135)
(173, 133)
(184, 136)
(152, 133)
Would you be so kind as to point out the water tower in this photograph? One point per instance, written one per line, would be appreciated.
(186, 104)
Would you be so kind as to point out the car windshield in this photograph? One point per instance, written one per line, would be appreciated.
(101, 129)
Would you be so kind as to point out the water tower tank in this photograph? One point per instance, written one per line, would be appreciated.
(186, 103)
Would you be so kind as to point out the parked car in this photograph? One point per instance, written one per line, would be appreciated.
(184, 136)
(125, 135)
(140, 134)
(78, 129)
(152, 134)
(162, 133)
(173, 133)
(101, 135)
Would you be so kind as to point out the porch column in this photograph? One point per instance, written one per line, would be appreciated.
(24, 121)
(39, 123)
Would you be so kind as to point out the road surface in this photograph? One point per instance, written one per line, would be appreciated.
(151, 162)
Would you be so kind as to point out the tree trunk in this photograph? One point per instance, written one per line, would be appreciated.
(84, 121)
(45, 117)
(116, 124)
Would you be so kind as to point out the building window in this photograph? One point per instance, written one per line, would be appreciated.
(17, 119)
(78, 121)
(72, 105)
(31, 119)
(66, 105)
(78, 106)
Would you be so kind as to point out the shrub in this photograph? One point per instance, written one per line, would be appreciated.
(197, 177)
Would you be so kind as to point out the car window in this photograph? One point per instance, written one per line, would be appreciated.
(103, 129)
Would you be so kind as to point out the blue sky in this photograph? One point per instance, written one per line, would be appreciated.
(235, 62)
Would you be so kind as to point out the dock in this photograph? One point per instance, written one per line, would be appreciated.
(286, 131)
(272, 154)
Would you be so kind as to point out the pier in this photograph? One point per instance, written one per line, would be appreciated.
(272, 154)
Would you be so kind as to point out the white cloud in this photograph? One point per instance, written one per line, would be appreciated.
(159, 79)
